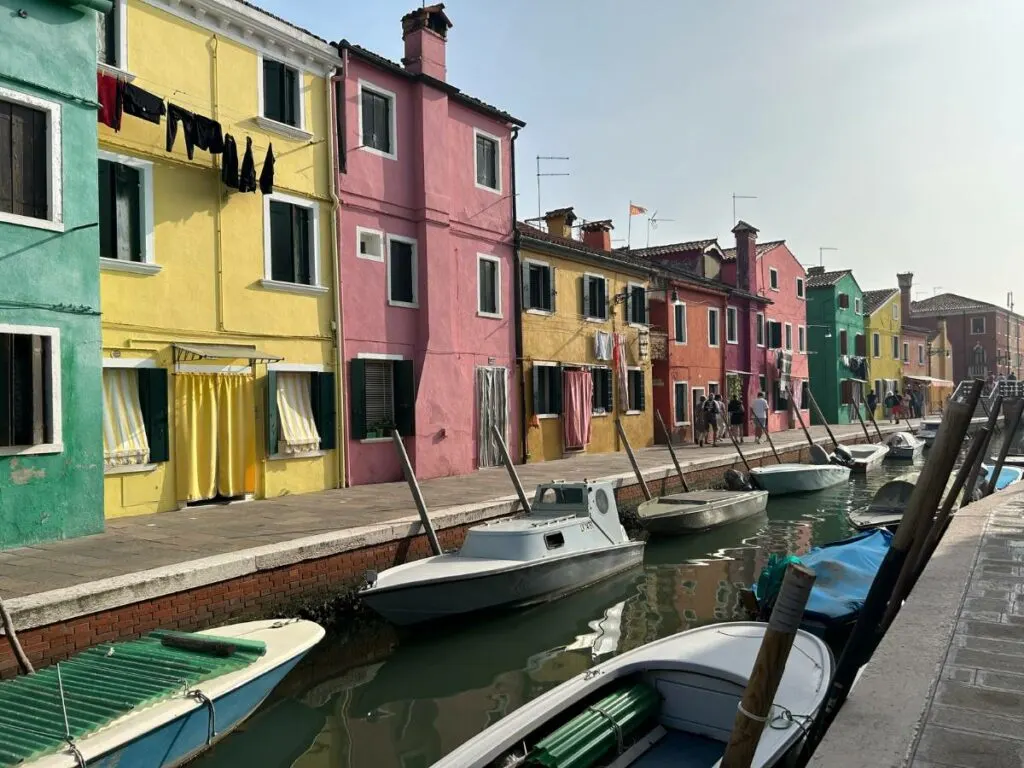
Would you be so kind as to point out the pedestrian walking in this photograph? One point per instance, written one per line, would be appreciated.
(872, 403)
(711, 416)
(759, 409)
(737, 417)
(700, 423)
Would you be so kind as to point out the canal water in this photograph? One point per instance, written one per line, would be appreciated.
(375, 697)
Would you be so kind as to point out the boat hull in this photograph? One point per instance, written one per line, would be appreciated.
(867, 458)
(516, 586)
(905, 453)
(661, 516)
(799, 478)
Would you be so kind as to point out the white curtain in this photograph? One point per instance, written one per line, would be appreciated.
(124, 432)
(492, 410)
(298, 432)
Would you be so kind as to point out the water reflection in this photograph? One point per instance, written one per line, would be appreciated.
(423, 694)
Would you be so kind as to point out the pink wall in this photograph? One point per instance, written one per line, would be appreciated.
(429, 194)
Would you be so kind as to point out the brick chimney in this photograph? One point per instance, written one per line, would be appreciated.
(425, 32)
(560, 222)
(746, 256)
(598, 234)
(906, 280)
(812, 271)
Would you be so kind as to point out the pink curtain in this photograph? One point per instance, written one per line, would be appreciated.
(577, 407)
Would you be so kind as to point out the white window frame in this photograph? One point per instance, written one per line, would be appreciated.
(773, 279)
(120, 69)
(360, 231)
(876, 346)
(314, 268)
(734, 311)
(689, 403)
(717, 325)
(497, 158)
(787, 336)
(599, 413)
(545, 364)
(415, 303)
(762, 330)
(801, 338)
(590, 318)
(906, 351)
(895, 311)
(856, 305)
(393, 122)
(57, 444)
(675, 326)
(639, 369)
(298, 132)
(54, 163)
(647, 309)
(801, 288)
(984, 323)
(497, 286)
(148, 265)
(551, 278)
(895, 347)
(920, 354)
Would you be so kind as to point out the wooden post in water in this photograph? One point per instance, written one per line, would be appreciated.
(417, 495)
(972, 479)
(736, 445)
(1011, 420)
(860, 418)
(767, 434)
(755, 709)
(12, 638)
(672, 450)
(922, 504)
(871, 415)
(512, 474)
(824, 421)
(800, 418)
(632, 460)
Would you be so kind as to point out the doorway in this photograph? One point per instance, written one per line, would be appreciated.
(492, 411)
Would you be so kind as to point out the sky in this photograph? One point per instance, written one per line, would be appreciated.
(890, 131)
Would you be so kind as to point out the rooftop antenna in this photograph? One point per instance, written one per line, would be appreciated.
(652, 223)
(736, 197)
(540, 212)
(821, 254)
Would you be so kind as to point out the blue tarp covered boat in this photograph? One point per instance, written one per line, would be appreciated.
(1007, 475)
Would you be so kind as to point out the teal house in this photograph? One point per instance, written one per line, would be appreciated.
(837, 356)
(51, 399)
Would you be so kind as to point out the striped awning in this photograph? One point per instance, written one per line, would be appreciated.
(124, 432)
(295, 414)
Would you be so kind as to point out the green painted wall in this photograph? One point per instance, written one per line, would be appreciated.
(825, 365)
(51, 279)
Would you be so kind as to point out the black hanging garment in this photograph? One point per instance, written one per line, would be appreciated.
(229, 162)
(267, 174)
(142, 104)
(247, 176)
(174, 114)
(207, 134)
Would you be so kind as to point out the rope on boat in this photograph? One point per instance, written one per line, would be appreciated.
(615, 725)
(67, 726)
(750, 715)
(79, 758)
(212, 730)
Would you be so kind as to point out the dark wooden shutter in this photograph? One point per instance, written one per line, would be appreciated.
(324, 412)
(24, 179)
(641, 396)
(382, 120)
(525, 270)
(357, 398)
(270, 417)
(290, 96)
(339, 112)
(108, 218)
(282, 259)
(153, 400)
(585, 293)
(535, 379)
(273, 90)
(776, 335)
(127, 210)
(552, 292)
(607, 374)
(6, 172)
(301, 235)
(859, 345)
(405, 397)
(6, 388)
(555, 378)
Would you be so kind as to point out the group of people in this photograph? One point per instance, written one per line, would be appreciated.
(714, 417)
(896, 406)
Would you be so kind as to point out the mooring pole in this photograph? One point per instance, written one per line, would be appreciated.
(824, 421)
(800, 418)
(860, 418)
(672, 450)
(736, 445)
(871, 415)
(632, 460)
(972, 479)
(417, 495)
(506, 459)
(1011, 420)
(12, 638)
(767, 434)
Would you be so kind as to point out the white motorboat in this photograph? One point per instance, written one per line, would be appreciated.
(670, 702)
(904, 446)
(696, 511)
(822, 473)
(887, 506)
(571, 538)
(929, 430)
(865, 457)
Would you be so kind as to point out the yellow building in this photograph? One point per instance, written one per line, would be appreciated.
(575, 293)
(882, 326)
(219, 305)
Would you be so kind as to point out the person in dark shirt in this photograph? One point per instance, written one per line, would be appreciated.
(737, 416)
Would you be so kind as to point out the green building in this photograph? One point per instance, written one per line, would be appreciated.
(836, 344)
(51, 401)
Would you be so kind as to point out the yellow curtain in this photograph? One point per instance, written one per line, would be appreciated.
(124, 433)
(236, 439)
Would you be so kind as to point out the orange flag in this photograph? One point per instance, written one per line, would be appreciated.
(636, 210)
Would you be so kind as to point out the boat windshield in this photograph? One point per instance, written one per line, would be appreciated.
(560, 495)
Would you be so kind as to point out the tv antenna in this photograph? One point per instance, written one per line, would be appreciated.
(652, 223)
(540, 211)
(736, 197)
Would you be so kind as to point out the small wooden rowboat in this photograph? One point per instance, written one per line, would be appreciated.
(904, 446)
(865, 457)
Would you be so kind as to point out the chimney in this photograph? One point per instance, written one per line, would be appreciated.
(598, 234)
(746, 256)
(906, 280)
(425, 32)
(814, 271)
(560, 222)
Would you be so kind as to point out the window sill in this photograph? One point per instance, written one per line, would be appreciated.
(536, 311)
(404, 304)
(598, 415)
(633, 413)
(598, 320)
(278, 285)
(485, 188)
(290, 131)
(31, 222)
(377, 152)
(679, 343)
(372, 440)
(640, 326)
(732, 342)
(115, 71)
(682, 424)
(134, 267)
(548, 416)
(286, 456)
(31, 450)
(129, 469)
(370, 257)
(490, 315)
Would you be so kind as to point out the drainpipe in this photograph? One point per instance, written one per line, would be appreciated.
(517, 287)
(338, 127)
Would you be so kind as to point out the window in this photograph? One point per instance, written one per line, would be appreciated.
(800, 288)
(538, 286)
(30, 161)
(382, 398)
(301, 405)
(843, 342)
(282, 93)
(920, 354)
(488, 161)
(856, 306)
(30, 415)
(979, 362)
(371, 244)
(135, 424)
(859, 346)
(760, 329)
(602, 397)
(636, 304)
(906, 352)
(843, 299)
(635, 382)
(681, 403)
(713, 327)
(977, 323)
(895, 311)
(402, 272)
(125, 210)
(488, 270)
(547, 389)
(679, 311)
(780, 398)
(774, 334)
(292, 247)
(712, 388)
(805, 393)
(732, 330)
(789, 336)
(876, 345)
(895, 347)
(773, 278)
(801, 339)
(762, 384)
(595, 297)
(377, 120)
(110, 28)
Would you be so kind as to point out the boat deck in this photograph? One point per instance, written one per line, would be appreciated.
(677, 749)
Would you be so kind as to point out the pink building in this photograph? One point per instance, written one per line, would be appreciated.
(426, 261)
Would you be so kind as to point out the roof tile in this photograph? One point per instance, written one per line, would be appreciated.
(874, 299)
(826, 279)
(673, 248)
(761, 250)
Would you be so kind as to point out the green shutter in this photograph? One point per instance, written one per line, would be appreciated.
(525, 271)
(324, 412)
(405, 397)
(585, 282)
(270, 417)
(153, 400)
(301, 235)
(290, 96)
(607, 375)
(357, 398)
(282, 265)
(272, 96)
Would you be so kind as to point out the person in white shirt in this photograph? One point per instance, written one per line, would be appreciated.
(759, 408)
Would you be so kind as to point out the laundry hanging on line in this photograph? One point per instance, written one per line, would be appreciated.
(198, 131)
(267, 174)
(108, 92)
(229, 162)
(142, 104)
(247, 175)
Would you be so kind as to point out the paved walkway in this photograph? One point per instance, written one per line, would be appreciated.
(135, 544)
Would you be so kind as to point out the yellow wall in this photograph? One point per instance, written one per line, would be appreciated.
(567, 337)
(883, 322)
(209, 240)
